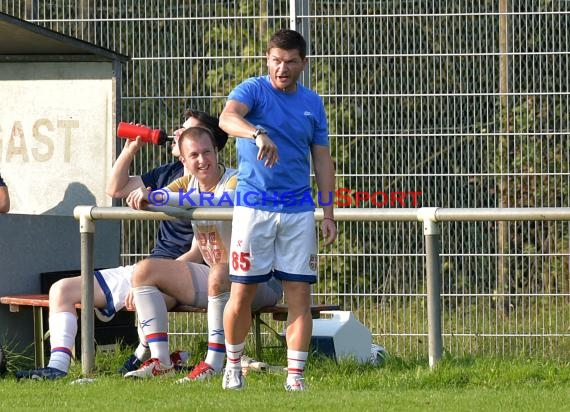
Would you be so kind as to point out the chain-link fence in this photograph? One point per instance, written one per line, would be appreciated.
(430, 103)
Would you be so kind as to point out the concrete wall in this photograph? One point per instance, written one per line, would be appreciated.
(30, 245)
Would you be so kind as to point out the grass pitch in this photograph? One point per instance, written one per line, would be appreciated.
(466, 384)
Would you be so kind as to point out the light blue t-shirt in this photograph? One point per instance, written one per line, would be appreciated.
(294, 121)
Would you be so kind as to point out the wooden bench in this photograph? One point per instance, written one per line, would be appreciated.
(41, 301)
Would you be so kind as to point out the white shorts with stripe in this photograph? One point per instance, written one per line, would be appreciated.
(116, 284)
(266, 244)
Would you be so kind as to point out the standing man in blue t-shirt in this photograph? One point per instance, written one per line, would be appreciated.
(280, 125)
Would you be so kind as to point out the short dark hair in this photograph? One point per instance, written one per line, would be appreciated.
(211, 122)
(196, 131)
(288, 40)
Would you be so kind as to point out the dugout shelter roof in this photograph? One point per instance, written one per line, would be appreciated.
(25, 41)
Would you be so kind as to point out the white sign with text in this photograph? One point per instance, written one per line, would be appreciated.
(56, 134)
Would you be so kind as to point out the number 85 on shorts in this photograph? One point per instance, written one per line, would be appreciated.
(241, 261)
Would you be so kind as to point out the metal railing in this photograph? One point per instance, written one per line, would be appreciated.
(430, 217)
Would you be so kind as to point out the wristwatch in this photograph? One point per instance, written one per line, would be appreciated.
(258, 130)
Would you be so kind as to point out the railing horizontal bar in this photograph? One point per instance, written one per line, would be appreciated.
(225, 213)
(341, 214)
(502, 214)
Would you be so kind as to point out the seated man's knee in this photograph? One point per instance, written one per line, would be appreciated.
(218, 280)
(142, 273)
(218, 286)
(67, 290)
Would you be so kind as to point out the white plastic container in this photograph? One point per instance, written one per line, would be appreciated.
(339, 334)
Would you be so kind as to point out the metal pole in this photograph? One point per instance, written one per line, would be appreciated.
(39, 337)
(298, 21)
(503, 235)
(87, 233)
(432, 235)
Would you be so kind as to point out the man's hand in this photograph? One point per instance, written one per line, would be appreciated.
(133, 146)
(138, 198)
(130, 301)
(267, 150)
(328, 229)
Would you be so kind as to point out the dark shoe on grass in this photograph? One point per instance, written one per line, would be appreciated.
(42, 373)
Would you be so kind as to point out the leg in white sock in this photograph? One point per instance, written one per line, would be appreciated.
(153, 320)
(216, 337)
(234, 353)
(142, 352)
(296, 364)
(63, 329)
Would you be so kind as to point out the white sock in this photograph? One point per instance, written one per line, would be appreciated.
(296, 363)
(234, 353)
(216, 337)
(153, 320)
(62, 331)
(142, 352)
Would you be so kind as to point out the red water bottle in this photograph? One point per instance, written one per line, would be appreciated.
(131, 131)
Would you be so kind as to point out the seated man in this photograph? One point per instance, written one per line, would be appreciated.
(191, 282)
(112, 286)
(4, 197)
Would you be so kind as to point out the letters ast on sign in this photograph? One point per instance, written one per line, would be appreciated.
(45, 140)
(342, 197)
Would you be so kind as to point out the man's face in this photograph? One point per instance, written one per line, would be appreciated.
(200, 157)
(190, 122)
(285, 67)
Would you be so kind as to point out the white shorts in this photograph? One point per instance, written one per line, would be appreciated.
(200, 279)
(116, 284)
(266, 244)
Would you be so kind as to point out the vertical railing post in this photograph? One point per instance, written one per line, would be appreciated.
(504, 159)
(87, 233)
(432, 235)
